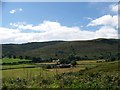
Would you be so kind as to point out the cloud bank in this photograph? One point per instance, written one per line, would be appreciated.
(49, 31)
(106, 20)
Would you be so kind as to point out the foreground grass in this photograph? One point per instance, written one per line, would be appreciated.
(96, 75)
(25, 72)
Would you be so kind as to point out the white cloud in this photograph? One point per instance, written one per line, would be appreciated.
(88, 18)
(45, 26)
(48, 31)
(106, 32)
(16, 10)
(109, 26)
(106, 20)
(12, 11)
(20, 9)
(114, 7)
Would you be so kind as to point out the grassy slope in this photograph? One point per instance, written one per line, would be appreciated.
(82, 48)
(107, 67)
(63, 49)
(20, 48)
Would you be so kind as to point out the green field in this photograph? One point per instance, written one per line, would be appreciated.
(19, 70)
(7, 60)
(5, 67)
(86, 74)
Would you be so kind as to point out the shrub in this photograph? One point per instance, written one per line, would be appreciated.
(73, 63)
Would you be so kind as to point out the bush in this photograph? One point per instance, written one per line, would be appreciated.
(73, 63)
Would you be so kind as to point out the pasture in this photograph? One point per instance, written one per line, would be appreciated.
(19, 70)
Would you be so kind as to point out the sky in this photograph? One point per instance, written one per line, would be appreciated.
(24, 22)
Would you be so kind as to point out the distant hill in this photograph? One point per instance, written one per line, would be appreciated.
(61, 49)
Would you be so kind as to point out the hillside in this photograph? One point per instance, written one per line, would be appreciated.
(16, 49)
(61, 49)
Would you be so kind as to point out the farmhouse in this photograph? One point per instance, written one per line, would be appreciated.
(64, 65)
(56, 61)
(98, 61)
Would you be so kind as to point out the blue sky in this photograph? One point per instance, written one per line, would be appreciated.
(69, 15)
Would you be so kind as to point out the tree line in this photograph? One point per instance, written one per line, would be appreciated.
(72, 58)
